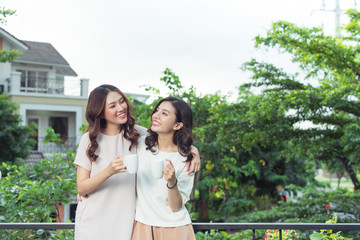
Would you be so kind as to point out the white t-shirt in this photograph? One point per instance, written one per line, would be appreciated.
(152, 207)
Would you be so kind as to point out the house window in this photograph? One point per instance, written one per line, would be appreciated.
(33, 81)
(60, 126)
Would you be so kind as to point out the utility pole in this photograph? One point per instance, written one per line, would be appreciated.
(337, 18)
(337, 11)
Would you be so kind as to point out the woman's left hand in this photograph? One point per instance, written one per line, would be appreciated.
(194, 165)
(80, 197)
(169, 173)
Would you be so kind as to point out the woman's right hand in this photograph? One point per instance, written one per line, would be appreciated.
(117, 165)
(86, 184)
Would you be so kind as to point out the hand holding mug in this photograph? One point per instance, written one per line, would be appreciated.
(169, 173)
(117, 165)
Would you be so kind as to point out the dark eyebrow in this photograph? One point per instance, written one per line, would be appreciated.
(122, 98)
(162, 109)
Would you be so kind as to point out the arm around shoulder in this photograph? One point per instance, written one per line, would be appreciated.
(194, 165)
(142, 131)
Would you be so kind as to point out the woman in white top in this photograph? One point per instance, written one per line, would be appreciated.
(108, 209)
(160, 206)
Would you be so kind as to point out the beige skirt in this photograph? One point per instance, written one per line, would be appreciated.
(146, 232)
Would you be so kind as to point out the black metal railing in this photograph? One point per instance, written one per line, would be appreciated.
(208, 226)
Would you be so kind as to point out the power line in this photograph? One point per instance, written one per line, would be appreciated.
(337, 10)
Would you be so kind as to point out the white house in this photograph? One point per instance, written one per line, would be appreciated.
(36, 82)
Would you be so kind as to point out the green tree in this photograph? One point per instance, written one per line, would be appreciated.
(14, 138)
(7, 56)
(331, 106)
(249, 162)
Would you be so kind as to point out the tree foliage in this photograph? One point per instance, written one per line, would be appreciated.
(14, 140)
(4, 12)
(14, 137)
(330, 107)
(7, 56)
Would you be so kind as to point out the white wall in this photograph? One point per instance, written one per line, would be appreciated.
(43, 111)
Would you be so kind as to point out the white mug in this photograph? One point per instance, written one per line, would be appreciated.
(157, 168)
(131, 163)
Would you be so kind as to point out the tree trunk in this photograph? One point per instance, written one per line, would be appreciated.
(203, 208)
(340, 175)
(349, 169)
(192, 196)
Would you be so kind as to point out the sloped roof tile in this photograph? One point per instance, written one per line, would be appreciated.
(45, 53)
(41, 53)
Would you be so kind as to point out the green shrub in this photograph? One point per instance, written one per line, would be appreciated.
(31, 193)
(328, 234)
(311, 205)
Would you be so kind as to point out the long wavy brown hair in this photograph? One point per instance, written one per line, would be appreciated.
(94, 116)
(182, 138)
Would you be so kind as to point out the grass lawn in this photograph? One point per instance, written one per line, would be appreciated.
(344, 183)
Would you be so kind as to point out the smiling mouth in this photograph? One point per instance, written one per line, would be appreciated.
(155, 123)
(122, 115)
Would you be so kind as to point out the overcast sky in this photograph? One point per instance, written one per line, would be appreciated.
(130, 43)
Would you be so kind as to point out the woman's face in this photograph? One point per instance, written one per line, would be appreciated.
(115, 112)
(164, 119)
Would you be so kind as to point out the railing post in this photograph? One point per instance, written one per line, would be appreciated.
(280, 234)
(253, 234)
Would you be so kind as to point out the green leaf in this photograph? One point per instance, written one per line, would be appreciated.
(316, 236)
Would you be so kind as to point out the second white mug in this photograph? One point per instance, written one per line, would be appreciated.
(157, 168)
